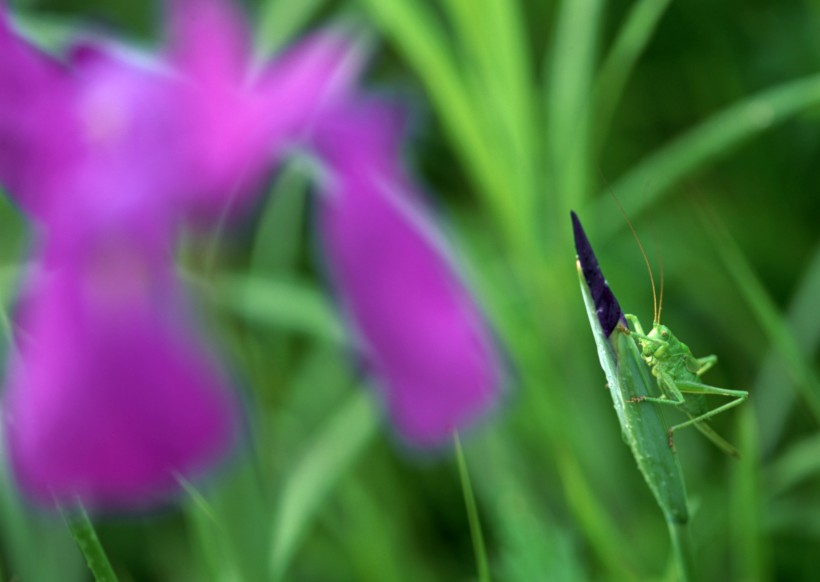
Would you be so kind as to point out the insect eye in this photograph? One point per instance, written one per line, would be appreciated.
(664, 333)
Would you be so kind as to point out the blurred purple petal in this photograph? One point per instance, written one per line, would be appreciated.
(421, 332)
(37, 132)
(109, 397)
(238, 119)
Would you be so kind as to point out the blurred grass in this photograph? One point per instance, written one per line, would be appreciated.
(528, 102)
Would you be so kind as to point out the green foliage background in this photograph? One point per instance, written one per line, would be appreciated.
(704, 119)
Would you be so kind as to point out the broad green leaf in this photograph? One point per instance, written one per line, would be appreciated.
(283, 304)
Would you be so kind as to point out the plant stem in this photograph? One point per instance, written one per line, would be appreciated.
(82, 530)
(682, 551)
(472, 514)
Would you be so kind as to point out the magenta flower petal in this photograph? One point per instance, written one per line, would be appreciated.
(419, 329)
(239, 118)
(37, 132)
(109, 397)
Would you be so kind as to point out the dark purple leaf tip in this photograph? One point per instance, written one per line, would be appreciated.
(606, 306)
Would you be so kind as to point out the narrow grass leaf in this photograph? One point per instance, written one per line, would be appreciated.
(334, 450)
(482, 564)
(644, 430)
(532, 544)
(632, 39)
(210, 537)
(568, 97)
(773, 388)
(423, 42)
(278, 237)
(800, 462)
(83, 532)
(750, 545)
(510, 81)
(765, 310)
(646, 183)
(643, 427)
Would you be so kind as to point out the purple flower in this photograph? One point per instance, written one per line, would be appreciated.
(109, 396)
(237, 119)
(419, 330)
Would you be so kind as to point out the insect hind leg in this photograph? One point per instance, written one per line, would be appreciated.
(737, 397)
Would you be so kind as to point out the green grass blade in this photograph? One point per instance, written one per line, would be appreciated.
(27, 537)
(765, 311)
(498, 73)
(531, 542)
(281, 20)
(482, 564)
(284, 304)
(800, 462)
(278, 238)
(83, 532)
(510, 80)
(423, 42)
(644, 430)
(650, 179)
(568, 98)
(643, 427)
(210, 537)
(750, 547)
(803, 320)
(633, 37)
(469, 21)
(335, 449)
(682, 552)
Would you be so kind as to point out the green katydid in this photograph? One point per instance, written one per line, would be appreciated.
(678, 372)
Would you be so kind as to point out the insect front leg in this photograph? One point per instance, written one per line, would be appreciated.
(671, 394)
(636, 323)
(639, 333)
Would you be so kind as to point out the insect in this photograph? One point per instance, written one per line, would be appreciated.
(678, 372)
(643, 428)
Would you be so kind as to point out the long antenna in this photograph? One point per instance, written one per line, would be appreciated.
(660, 266)
(655, 311)
(660, 300)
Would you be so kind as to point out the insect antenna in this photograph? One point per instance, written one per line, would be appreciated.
(655, 308)
(660, 267)
(660, 299)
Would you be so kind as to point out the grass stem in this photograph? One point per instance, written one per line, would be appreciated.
(83, 532)
(482, 563)
(682, 551)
